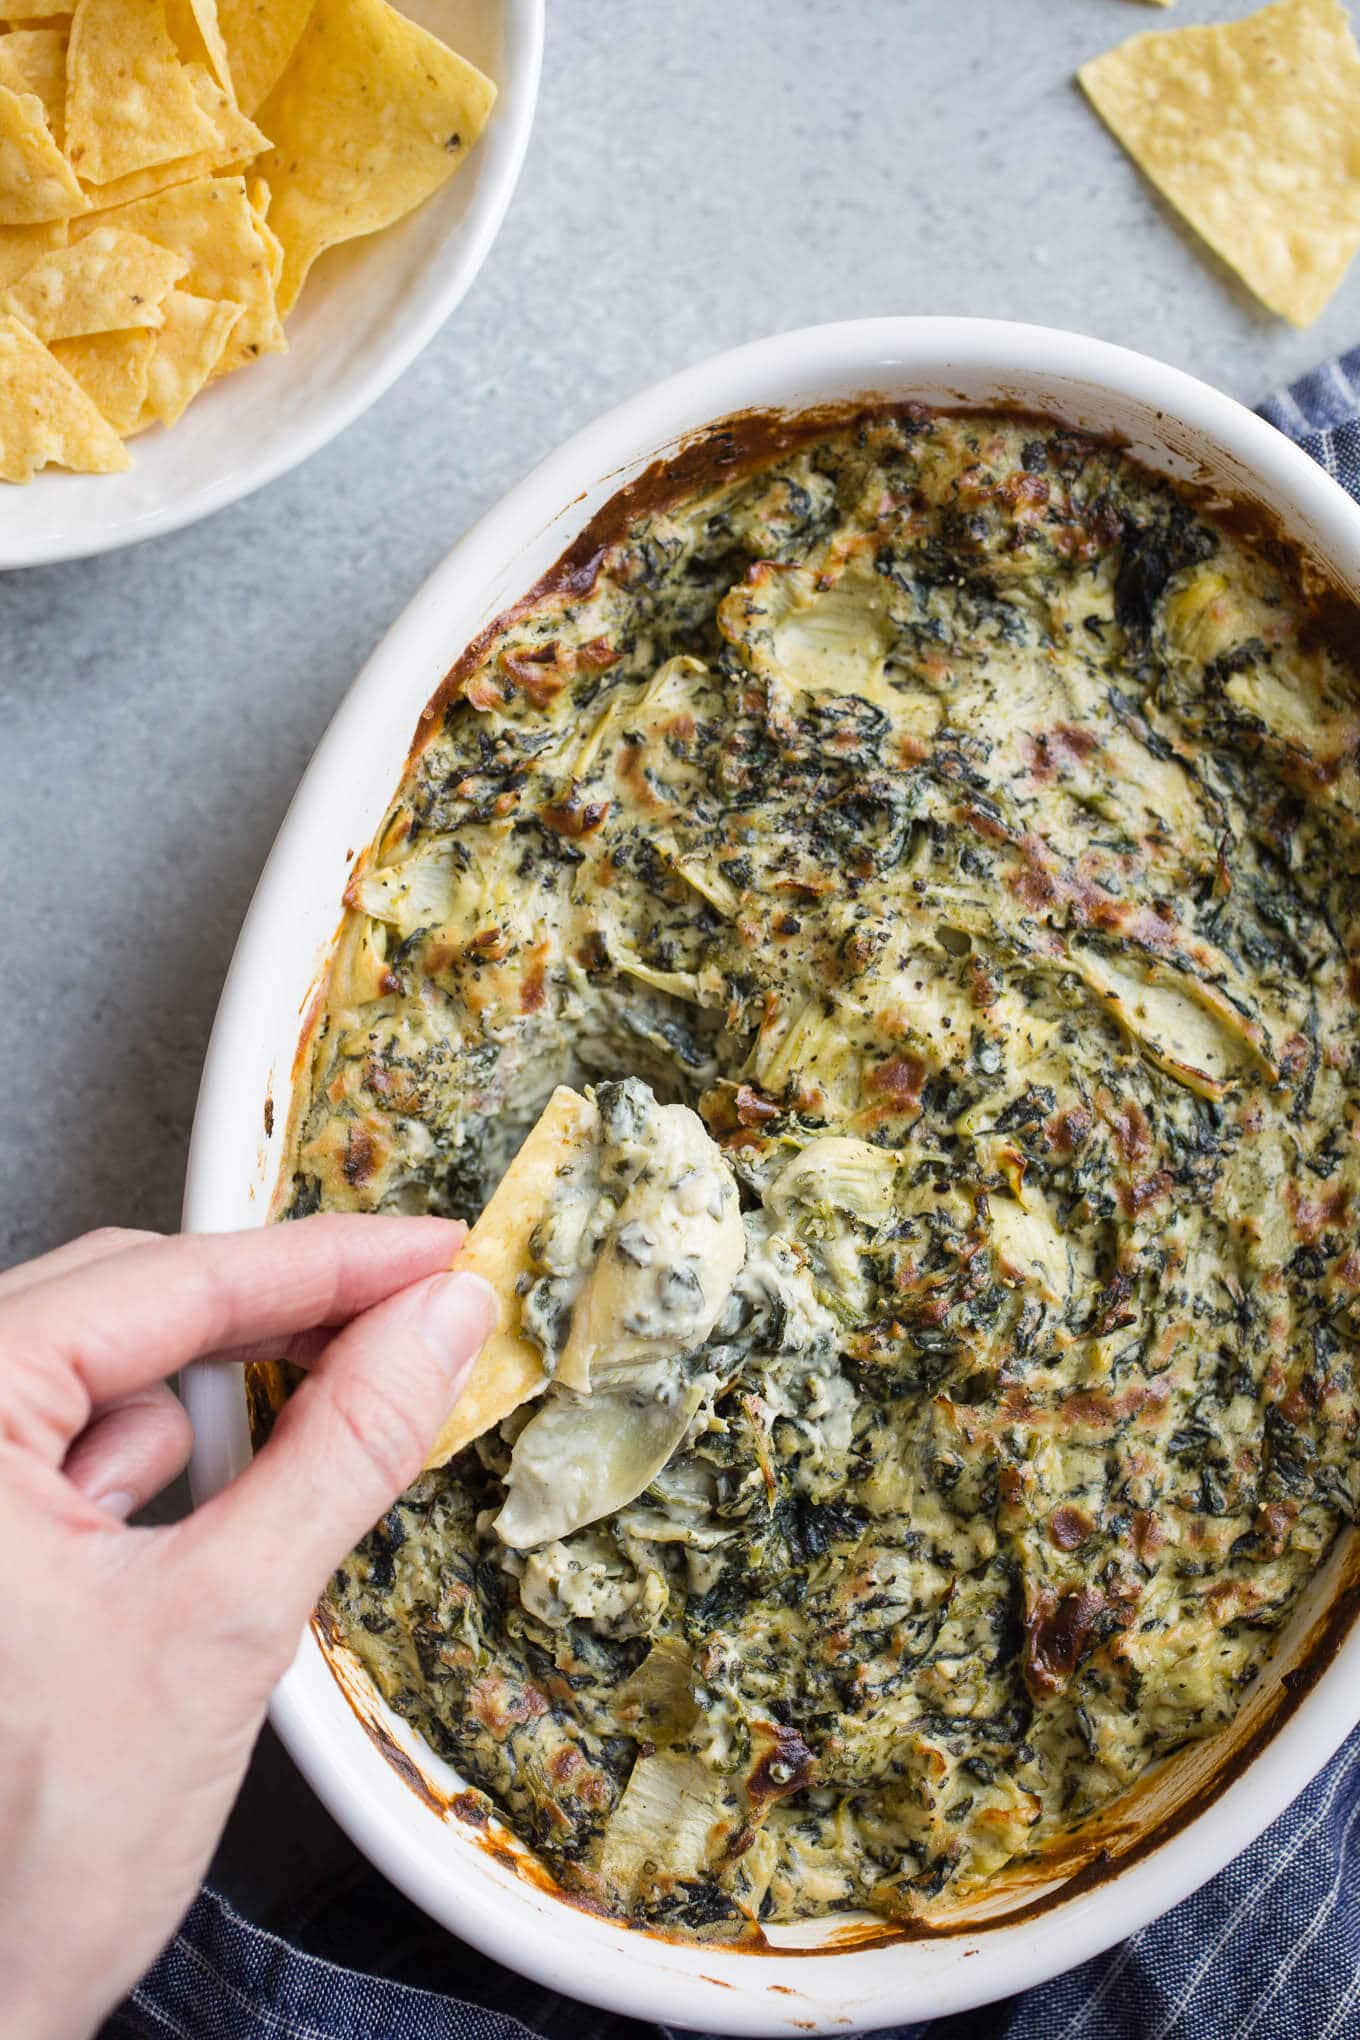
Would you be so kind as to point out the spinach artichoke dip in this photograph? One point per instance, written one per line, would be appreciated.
(931, 845)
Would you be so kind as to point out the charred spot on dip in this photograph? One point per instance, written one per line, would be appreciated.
(935, 850)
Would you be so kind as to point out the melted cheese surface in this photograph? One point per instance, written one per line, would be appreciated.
(968, 830)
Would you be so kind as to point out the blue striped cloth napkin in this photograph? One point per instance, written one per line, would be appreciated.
(1267, 1950)
(1322, 411)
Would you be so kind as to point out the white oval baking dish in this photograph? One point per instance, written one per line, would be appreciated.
(393, 1796)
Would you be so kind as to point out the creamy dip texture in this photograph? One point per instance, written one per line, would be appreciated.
(936, 844)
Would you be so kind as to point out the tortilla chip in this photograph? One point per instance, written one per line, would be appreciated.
(370, 117)
(212, 225)
(260, 36)
(197, 35)
(103, 283)
(187, 351)
(112, 369)
(509, 1370)
(1252, 131)
(146, 183)
(21, 247)
(238, 139)
(46, 416)
(34, 60)
(36, 181)
(130, 102)
(39, 10)
(257, 191)
(273, 248)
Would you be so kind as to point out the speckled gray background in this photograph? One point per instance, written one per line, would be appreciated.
(701, 173)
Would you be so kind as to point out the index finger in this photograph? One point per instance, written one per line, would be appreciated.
(117, 1324)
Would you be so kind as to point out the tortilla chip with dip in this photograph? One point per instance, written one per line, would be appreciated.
(510, 1369)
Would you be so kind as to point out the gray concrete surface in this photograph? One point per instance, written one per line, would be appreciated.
(701, 174)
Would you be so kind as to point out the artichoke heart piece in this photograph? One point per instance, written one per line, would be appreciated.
(582, 1457)
(1029, 1247)
(425, 889)
(835, 1196)
(679, 1817)
(821, 635)
(643, 1273)
(847, 1174)
(657, 1702)
(1184, 1025)
(673, 1821)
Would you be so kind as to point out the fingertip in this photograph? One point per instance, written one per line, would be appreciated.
(456, 1315)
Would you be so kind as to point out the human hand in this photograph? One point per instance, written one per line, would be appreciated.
(137, 1662)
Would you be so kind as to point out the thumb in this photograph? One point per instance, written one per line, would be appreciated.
(346, 1444)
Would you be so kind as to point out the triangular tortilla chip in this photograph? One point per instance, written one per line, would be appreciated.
(370, 117)
(34, 60)
(188, 348)
(38, 10)
(103, 283)
(21, 247)
(509, 1370)
(46, 416)
(1252, 130)
(112, 369)
(36, 181)
(146, 183)
(238, 139)
(211, 223)
(260, 36)
(273, 248)
(197, 35)
(130, 102)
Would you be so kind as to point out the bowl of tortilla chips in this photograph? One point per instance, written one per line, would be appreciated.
(226, 228)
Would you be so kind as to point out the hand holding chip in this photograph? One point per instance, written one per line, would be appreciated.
(138, 1661)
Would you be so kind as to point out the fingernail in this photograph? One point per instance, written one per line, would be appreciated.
(458, 1314)
(119, 1503)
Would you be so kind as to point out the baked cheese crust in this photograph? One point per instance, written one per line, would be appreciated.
(965, 824)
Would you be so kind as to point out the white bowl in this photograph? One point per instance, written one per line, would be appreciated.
(365, 314)
(1197, 1815)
